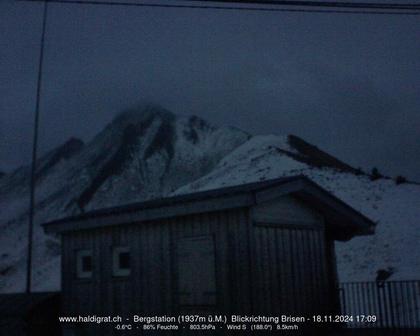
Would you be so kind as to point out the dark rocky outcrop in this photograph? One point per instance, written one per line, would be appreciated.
(63, 152)
(315, 157)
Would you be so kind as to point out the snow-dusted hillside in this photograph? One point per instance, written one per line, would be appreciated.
(396, 208)
(149, 152)
(143, 153)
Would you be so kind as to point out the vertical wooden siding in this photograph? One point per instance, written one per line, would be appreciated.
(292, 258)
(150, 287)
(291, 268)
(260, 267)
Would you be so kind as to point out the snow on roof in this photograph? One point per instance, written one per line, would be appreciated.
(307, 189)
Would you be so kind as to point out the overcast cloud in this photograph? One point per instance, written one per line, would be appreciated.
(349, 84)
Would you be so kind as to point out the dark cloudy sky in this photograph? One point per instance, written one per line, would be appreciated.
(349, 84)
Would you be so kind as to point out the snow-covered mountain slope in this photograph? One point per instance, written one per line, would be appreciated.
(149, 152)
(396, 208)
(143, 153)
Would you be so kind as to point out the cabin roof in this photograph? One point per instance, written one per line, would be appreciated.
(244, 195)
(20, 304)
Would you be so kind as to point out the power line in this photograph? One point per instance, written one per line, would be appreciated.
(328, 4)
(276, 6)
(34, 152)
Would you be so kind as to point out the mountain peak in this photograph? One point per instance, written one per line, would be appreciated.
(148, 152)
(141, 113)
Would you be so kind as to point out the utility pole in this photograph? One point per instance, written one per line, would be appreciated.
(34, 151)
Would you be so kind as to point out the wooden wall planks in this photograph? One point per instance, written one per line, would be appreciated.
(264, 269)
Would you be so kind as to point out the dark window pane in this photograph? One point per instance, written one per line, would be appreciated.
(86, 264)
(124, 260)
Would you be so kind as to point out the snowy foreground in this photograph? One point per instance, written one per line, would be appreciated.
(149, 153)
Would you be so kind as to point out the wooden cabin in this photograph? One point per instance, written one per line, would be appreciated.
(262, 248)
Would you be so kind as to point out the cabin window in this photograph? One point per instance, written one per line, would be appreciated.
(84, 264)
(196, 271)
(121, 261)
